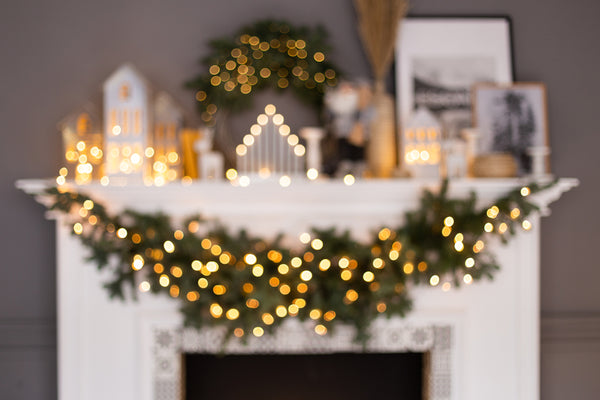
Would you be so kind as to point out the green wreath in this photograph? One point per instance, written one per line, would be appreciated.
(251, 284)
(268, 54)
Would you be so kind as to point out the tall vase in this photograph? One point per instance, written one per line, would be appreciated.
(381, 148)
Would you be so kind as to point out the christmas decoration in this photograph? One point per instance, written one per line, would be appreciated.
(250, 284)
(82, 140)
(267, 54)
(270, 151)
(350, 111)
(378, 23)
(423, 144)
(312, 135)
(139, 141)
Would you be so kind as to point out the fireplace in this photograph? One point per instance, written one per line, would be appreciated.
(349, 376)
(482, 340)
(413, 360)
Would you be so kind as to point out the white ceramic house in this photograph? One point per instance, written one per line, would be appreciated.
(127, 123)
(422, 144)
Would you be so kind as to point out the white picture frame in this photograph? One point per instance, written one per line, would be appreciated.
(439, 59)
(511, 118)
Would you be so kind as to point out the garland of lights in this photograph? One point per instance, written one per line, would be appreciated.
(267, 54)
(250, 284)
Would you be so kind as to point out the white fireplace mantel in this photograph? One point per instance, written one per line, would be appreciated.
(106, 348)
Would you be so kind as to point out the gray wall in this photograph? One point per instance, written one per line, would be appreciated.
(55, 54)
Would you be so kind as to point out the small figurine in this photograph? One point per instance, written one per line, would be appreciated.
(210, 163)
(350, 111)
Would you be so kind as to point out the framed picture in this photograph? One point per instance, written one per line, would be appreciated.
(438, 59)
(511, 119)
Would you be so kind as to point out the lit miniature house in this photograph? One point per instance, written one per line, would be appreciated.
(126, 125)
(168, 122)
(82, 139)
(422, 144)
(270, 151)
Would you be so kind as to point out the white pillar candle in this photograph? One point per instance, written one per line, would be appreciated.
(538, 161)
(313, 135)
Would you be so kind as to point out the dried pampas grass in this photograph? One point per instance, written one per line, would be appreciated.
(378, 24)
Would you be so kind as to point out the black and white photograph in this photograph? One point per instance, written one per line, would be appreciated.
(443, 85)
(438, 59)
(511, 119)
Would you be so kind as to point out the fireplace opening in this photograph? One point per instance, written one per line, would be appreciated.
(348, 376)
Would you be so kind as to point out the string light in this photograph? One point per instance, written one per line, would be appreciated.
(312, 174)
(176, 287)
(285, 289)
(316, 244)
(285, 181)
(137, 263)
(324, 265)
(305, 238)
(238, 332)
(216, 310)
(164, 280)
(320, 329)
(281, 311)
(492, 212)
(306, 275)
(378, 263)
(258, 270)
(514, 213)
(384, 234)
(167, 245)
(344, 262)
(78, 228)
(434, 280)
(283, 269)
(144, 286)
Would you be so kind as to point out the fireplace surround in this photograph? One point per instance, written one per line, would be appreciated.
(387, 336)
(483, 338)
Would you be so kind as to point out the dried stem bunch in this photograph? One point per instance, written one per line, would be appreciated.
(378, 24)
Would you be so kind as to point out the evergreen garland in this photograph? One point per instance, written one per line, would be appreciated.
(266, 54)
(250, 284)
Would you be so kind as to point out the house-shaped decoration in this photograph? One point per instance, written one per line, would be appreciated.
(127, 124)
(168, 122)
(82, 140)
(422, 144)
(138, 140)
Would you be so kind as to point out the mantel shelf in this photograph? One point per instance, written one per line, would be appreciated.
(268, 197)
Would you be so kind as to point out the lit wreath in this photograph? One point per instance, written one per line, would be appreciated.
(267, 54)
